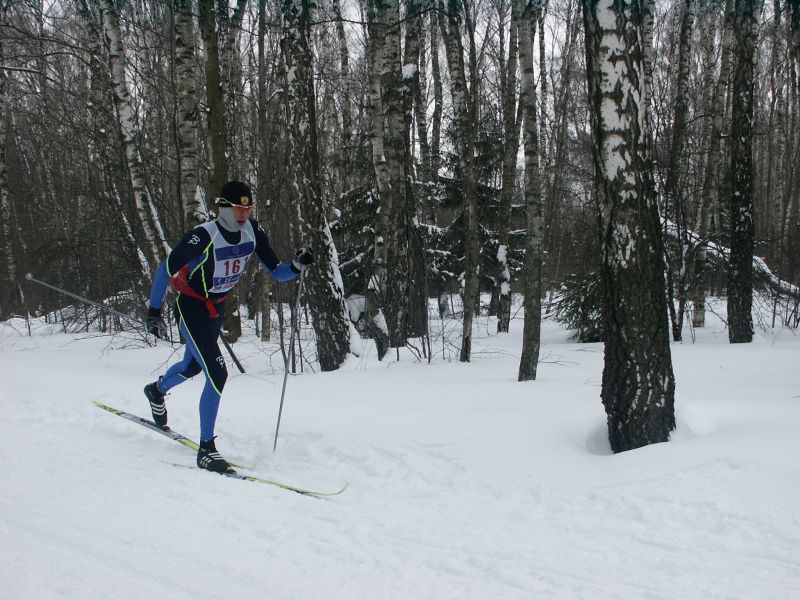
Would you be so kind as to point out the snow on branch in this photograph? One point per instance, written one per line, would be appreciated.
(760, 267)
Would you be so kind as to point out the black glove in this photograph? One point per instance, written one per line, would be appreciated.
(302, 258)
(155, 324)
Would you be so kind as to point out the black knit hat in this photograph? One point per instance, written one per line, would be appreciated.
(236, 193)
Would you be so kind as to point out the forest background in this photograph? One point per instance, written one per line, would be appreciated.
(424, 149)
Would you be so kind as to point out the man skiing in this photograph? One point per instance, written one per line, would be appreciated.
(205, 265)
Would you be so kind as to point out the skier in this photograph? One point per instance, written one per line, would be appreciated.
(205, 265)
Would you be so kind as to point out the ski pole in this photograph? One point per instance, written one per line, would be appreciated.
(233, 356)
(134, 320)
(128, 318)
(291, 350)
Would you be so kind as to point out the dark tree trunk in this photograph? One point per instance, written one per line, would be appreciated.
(212, 31)
(215, 98)
(740, 269)
(509, 177)
(414, 109)
(11, 299)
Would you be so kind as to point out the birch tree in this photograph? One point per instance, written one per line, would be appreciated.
(672, 192)
(325, 292)
(794, 18)
(773, 195)
(544, 146)
(558, 154)
(215, 97)
(414, 111)
(263, 283)
(709, 196)
(415, 56)
(346, 100)
(511, 125)
(435, 287)
(186, 87)
(638, 385)
(155, 244)
(438, 101)
(101, 170)
(12, 299)
(465, 123)
(239, 140)
(375, 293)
(528, 16)
(740, 270)
(791, 217)
(393, 90)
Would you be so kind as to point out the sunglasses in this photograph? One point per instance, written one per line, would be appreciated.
(247, 203)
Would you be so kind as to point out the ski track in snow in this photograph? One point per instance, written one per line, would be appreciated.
(463, 483)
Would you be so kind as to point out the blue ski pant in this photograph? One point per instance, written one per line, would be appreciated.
(202, 353)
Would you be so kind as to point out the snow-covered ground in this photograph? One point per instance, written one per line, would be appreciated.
(464, 484)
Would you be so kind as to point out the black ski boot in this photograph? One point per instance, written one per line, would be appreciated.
(208, 458)
(157, 404)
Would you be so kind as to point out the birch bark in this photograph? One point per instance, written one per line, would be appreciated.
(544, 129)
(414, 61)
(438, 102)
(558, 149)
(528, 16)
(193, 209)
(638, 386)
(464, 124)
(396, 152)
(376, 288)
(791, 223)
(794, 17)
(325, 291)
(239, 138)
(710, 192)
(101, 94)
(511, 126)
(346, 100)
(263, 281)
(155, 245)
(773, 205)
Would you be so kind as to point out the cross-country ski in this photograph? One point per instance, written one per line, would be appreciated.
(181, 439)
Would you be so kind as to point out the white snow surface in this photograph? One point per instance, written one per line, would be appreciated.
(463, 483)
